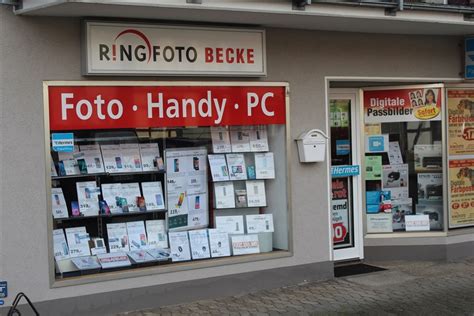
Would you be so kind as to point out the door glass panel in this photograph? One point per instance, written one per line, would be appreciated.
(341, 154)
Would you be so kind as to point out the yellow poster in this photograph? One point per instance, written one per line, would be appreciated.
(461, 204)
(461, 121)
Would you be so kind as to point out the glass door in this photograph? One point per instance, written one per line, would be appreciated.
(346, 210)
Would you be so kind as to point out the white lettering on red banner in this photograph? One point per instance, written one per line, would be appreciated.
(111, 107)
(150, 49)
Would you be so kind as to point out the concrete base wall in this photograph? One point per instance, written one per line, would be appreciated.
(175, 293)
(446, 252)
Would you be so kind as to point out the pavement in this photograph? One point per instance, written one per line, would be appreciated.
(405, 288)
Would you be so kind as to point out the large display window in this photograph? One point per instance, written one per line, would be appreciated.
(404, 159)
(147, 174)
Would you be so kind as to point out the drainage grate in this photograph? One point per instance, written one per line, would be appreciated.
(355, 269)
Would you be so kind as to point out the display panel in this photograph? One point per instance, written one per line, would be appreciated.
(404, 159)
(170, 189)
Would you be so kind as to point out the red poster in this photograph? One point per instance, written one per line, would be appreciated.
(113, 107)
(403, 105)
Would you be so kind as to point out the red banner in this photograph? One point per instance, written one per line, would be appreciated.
(114, 107)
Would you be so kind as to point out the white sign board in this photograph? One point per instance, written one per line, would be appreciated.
(415, 223)
(153, 49)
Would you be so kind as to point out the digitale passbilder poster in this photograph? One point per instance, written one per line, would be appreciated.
(422, 103)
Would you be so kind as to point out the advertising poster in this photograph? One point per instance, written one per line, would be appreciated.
(434, 210)
(376, 143)
(340, 212)
(379, 223)
(461, 121)
(428, 157)
(186, 172)
(395, 180)
(461, 187)
(400, 209)
(339, 112)
(219, 243)
(394, 153)
(403, 105)
(373, 168)
(430, 186)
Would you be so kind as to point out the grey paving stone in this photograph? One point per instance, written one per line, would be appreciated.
(414, 288)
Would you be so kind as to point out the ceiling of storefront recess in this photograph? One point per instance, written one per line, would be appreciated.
(276, 13)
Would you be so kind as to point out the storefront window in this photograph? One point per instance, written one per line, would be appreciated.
(174, 187)
(403, 159)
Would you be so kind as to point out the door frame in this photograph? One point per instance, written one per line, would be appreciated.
(357, 251)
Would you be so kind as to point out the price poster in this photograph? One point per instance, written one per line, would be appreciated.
(156, 233)
(461, 121)
(93, 158)
(153, 194)
(113, 160)
(137, 235)
(179, 246)
(220, 140)
(199, 243)
(219, 243)
(150, 155)
(78, 242)
(186, 172)
(118, 237)
(131, 161)
(260, 223)
(258, 138)
(111, 193)
(61, 250)
(87, 195)
(58, 203)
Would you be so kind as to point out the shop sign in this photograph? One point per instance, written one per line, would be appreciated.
(62, 142)
(152, 49)
(403, 105)
(345, 171)
(469, 58)
(461, 121)
(116, 106)
(461, 187)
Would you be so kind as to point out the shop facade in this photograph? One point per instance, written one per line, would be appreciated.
(69, 125)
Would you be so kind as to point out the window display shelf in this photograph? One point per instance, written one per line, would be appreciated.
(106, 174)
(109, 216)
(220, 181)
(238, 208)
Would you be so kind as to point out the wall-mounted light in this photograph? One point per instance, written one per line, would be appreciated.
(300, 4)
